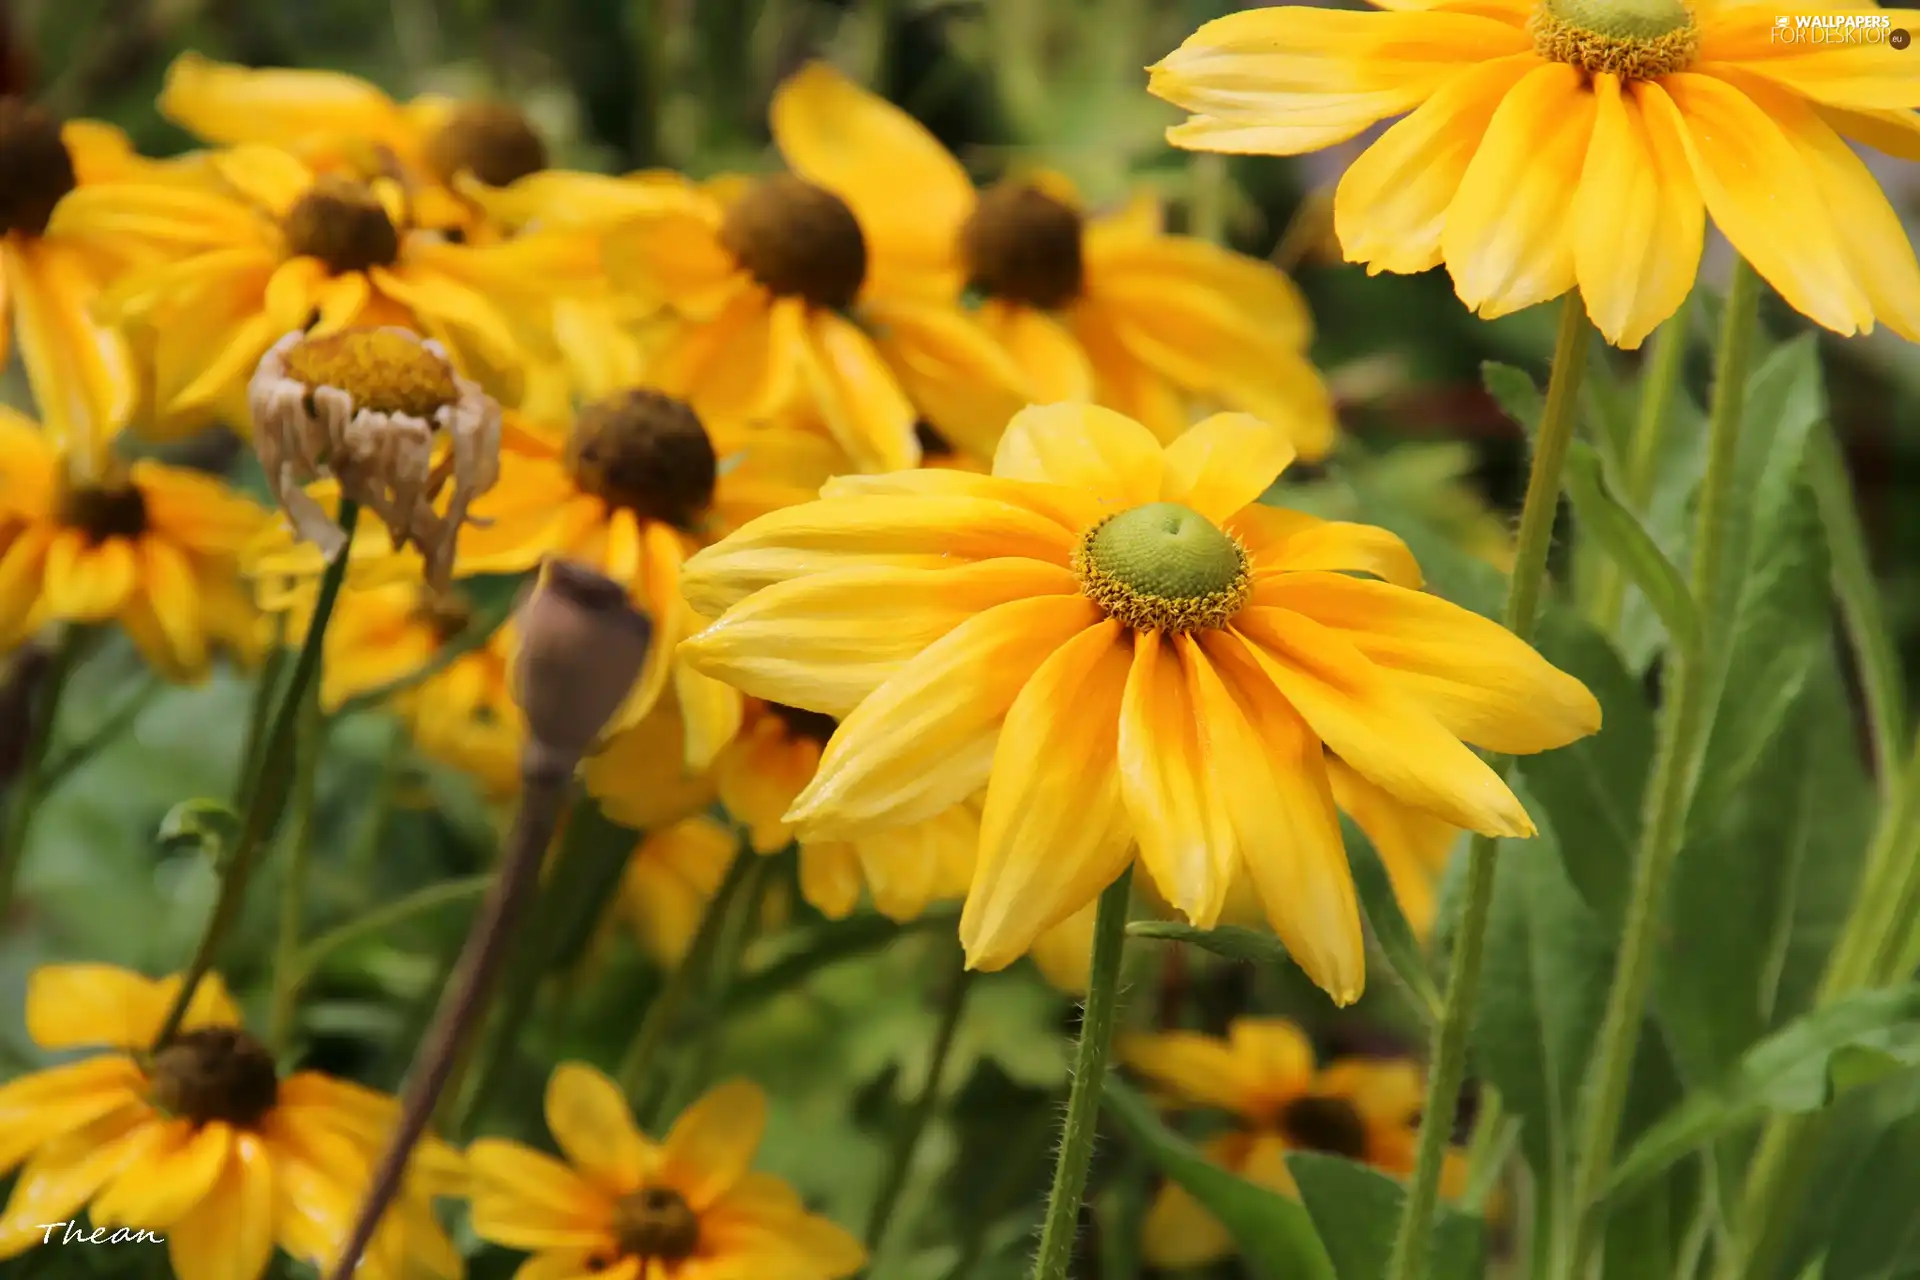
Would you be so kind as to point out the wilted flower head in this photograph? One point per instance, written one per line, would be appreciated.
(383, 412)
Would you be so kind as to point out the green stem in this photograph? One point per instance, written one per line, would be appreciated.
(312, 734)
(363, 857)
(636, 1064)
(260, 712)
(267, 791)
(1658, 387)
(913, 1124)
(1448, 1054)
(1089, 1072)
(743, 922)
(1685, 719)
(31, 783)
(384, 917)
(1866, 622)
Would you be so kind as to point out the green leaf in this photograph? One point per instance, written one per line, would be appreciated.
(1355, 1210)
(1857, 1218)
(1276, 1237)
(1229, 940)
(1789, 1071)
(1515, 391)
(208, 827)
(1389, 924)
(1603, 516)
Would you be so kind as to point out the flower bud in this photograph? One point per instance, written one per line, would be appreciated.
(582, 644)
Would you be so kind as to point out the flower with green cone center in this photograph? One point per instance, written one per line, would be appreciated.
(1635, 39)
(1163, 567)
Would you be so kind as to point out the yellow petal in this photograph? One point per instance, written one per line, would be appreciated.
(71, 1006)
(1638, 221)
(1895, 132)
(183, 1171)
(526, 1200)
(1279, 1052)
(1385, 1093)
(1073, 509)
(1508, 237)
(712, 711)
(223, 103)
(825, 642)
(1866, 76)
(265, 174)
(847, 533)
(1477, 679)
(1761, 194)
(1282, 541)
(755, 374)
(1288, 80)
(1224, 463)
(950, 368)
(1180, 1233)
(909, 195)
(67, 1172)
(229, 1235)
(924, 740)
(858, 395)
(590, 1122)
(1125, 383)
(1273, 786)
(22, 573)
(174, 597)
(1168, 782)
(711, 1145)
(1047, 353)
(44, 1105)
(1083, 446)
(1390, 206)
(830, 878)
(1381, 732)
(1414, 846)
(1194, 1069)
(1054, 832)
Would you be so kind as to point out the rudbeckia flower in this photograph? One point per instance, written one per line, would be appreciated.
(153, 548)
(203, 1141)
(1413, 845)
(335, 122)
(1126, 651)
(673, 874)
(759, 774)
(640, 775)
(1091, 307)
(621, 1207)
(266, 246)
(1263, 1075)
(631, 488)
(793, 301)
(1581, 143)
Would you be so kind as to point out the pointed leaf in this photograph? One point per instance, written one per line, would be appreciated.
(1355, 1210)
(1229, 940)
(1627, 542)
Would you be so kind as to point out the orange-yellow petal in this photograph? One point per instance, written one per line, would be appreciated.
(712, 1143)
(590, 1122)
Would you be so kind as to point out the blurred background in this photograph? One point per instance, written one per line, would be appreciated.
(618, 85)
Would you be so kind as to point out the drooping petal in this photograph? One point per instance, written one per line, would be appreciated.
(67, 1172)
(1274, 790)
(826, 641)
(526, 1200)
(1054, 832)
(1508, 240)
(1048, 355)
(1639, 222)
(1353, 708)
(44, 1105)
(1762, 195)
(229, 1234)
(711, 1145)
(1481, 682)
(184, 1169)
(909, 195)
(1390, 206)
(857, 395)
(590, 1122)
(1413, 845)
(1288, 80)
(950, 368)
(925, 739)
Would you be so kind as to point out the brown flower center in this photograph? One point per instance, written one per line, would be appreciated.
(35, 169)
(645, 451)
(798, 240)
(1022, 245)
(490, 140)
(447, 612)
(811, 725)
(386, 370)
(1314, 1123)
(657, 1223)
(104, 511)
(1635, 39)
(341, 223)
(215, 1073)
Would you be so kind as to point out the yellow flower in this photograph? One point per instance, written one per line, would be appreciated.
(1125, 650)
(640, 775)
(621, 1207)
(1413, 846)
(634, 485)
(1580, 143)
(1108, 308)
(795, 299)
(203, 1142)
(151, 547)
(673, 874)
(336, 122)
(265, 246)
(759, 774)
(1263, 1074)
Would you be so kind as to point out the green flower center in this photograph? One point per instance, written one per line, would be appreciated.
(1324, 1124)
(215, 1073)
(1634, 39)
(647, 452)
(1163, 567)
(657, 1223)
